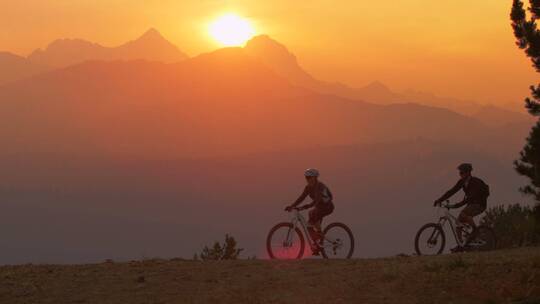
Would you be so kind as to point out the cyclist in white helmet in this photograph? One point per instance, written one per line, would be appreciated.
(322, 203)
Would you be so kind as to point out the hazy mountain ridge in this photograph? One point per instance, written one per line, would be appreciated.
(224, 101)
(150, 46)
(14, 67)
(65, 52)
(495, 116)
(283, 62)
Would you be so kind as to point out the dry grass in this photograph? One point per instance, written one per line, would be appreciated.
(497, 277)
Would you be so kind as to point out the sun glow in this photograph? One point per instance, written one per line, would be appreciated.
(231, 30)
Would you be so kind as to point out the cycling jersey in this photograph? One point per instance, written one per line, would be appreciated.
(319, 193)
(475, 191)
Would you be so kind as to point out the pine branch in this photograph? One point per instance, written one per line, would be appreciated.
(534, 8)
(518, 19)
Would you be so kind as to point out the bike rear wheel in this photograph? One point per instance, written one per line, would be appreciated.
(484, 239)
(338, 242)
(285, 242)
(430, 240)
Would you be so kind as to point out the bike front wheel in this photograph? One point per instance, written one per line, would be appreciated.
(285, 242)
(337, 242)
(430, 240)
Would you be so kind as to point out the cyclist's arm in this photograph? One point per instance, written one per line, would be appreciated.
(301, 198)
(307, 206)
(452, 191)
(460, 204)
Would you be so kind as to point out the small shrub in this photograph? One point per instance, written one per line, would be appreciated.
(227, 251)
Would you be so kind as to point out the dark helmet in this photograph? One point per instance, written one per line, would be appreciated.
(465, 167)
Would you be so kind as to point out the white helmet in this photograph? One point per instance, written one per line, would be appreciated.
(311, 173)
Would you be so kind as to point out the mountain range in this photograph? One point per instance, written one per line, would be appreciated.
(153, 46)
(223, 102)
(285, 64)
(65, 52)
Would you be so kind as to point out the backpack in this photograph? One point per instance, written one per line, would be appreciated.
(484, 190)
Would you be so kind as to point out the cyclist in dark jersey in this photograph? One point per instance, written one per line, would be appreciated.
(476, 194)
(322, 203)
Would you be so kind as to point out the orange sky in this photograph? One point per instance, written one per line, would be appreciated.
(456, 48)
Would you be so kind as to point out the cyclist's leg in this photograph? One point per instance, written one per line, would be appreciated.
(319, 216)
(463, 219)
(314, 220)
(327, 211)
(470, 212)
(314, 223)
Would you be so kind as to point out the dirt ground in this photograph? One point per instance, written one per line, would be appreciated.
(509, 276)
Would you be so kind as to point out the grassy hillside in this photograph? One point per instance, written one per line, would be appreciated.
(496, 277)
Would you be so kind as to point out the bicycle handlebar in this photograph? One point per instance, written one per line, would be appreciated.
(296, 209)
(447, 205)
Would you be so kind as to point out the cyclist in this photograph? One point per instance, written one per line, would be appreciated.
(476, 194)
(322, 203)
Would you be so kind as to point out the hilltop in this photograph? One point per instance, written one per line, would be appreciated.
(495, 277)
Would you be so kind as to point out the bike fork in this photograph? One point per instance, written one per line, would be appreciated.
(434, 236)
(288, 240)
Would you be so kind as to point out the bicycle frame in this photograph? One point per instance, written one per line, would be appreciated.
(298, 218)
(452, 220)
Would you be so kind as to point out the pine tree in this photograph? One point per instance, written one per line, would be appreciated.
(528, 39)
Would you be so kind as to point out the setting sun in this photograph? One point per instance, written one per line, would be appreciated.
(231, 30)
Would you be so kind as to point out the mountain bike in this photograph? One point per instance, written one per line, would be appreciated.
(286, 241)
(431, 239)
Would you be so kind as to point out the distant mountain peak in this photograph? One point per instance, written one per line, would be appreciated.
(151, 34)
(264, 39)
(377, 85)
(278, 58)
(264, 46)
